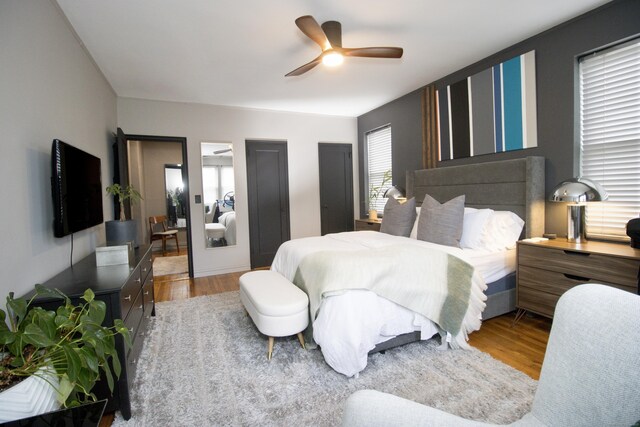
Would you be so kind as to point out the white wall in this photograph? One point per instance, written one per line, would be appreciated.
(49, 88)
(204, 123)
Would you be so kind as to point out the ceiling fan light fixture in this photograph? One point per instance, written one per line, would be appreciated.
(332, 59)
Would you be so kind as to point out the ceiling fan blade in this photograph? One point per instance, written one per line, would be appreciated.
(306, 67)
(310, 27)
(374, 52)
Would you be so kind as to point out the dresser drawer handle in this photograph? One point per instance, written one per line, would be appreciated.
(585, 254)
(128, 297)
(578, 278)
(137, 280)
(146, 293)
(131, 330)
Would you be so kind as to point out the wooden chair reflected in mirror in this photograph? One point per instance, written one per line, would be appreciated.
(158, 230)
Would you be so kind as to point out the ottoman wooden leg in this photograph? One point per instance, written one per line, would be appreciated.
(270, 350)
(301, 339)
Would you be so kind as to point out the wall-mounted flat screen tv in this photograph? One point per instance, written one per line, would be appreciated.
(76, 188)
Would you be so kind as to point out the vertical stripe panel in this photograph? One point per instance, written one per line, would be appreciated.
(443, 110)
(497, 108)
(439, 125)
(449, 122)
(529, 107)
(512, 89)
(460, 129)
(470, 95)
(482, 111)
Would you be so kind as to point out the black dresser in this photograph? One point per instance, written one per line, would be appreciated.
(127, 290)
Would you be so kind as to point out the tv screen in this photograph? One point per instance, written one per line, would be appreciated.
(76, 189)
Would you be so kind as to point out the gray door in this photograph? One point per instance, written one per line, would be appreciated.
(336, 188)
(268, 196)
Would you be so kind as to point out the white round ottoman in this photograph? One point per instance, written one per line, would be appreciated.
(277, 307)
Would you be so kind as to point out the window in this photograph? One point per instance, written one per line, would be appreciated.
(378, 166)
(610, 136)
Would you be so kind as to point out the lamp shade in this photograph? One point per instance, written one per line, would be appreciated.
(578, 190)
(394, 192)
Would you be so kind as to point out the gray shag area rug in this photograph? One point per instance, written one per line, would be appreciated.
(205, 364)
(165, 265)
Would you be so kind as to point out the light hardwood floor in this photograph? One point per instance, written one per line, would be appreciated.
(520, 346)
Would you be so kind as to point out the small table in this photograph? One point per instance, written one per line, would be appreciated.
(547, 269)
(368, 224)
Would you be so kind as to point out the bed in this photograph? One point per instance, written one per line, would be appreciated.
(349, 324)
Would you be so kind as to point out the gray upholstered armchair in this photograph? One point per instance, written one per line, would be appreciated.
(590, 374)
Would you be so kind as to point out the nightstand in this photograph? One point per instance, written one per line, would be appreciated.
(545, 270)
(368, 224)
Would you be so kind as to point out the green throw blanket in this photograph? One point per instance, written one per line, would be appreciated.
(434, 283)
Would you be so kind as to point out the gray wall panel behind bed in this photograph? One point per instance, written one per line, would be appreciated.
(516, 185)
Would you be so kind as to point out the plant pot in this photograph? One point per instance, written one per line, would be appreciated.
(32, 396)
(121, 232)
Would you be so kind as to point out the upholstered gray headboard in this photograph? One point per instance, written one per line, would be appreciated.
(514, 185)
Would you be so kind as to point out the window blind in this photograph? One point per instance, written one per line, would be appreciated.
(378, 163)
(610, 136)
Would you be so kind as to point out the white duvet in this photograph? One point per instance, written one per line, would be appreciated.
(350, 323)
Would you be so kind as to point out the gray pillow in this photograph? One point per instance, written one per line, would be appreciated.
(398, 217)
(441, 223)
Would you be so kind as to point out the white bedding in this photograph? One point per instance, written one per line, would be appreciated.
(350, 323)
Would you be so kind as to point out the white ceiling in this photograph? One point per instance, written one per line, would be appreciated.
(236, 53)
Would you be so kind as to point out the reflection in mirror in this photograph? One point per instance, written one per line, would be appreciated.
(176, 202)
(218, 194)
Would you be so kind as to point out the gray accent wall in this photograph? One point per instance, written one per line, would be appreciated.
(405, 117)
(557, 51)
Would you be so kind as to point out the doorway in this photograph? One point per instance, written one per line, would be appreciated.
(141, 160)
(268, 197)
(336, 188)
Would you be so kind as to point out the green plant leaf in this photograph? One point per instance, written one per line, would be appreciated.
(74, 363)
(109, 376)
(7, 337)
(64, 389)
(35, 336)
(17, 308)
(51, 293)
(90, 359)
(122, 330)
(97, 311)
(88, 295)
(117, 368)
(3, 321)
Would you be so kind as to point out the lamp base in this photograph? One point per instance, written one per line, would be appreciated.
(576, 232)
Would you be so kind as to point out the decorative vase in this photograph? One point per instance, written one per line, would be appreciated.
(122, 232)
(32, 396)
(373, 214)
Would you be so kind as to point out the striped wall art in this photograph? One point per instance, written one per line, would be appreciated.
(490, 112)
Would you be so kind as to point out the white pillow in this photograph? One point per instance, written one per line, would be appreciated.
(414, 230)
(473, 227)
(502, 231)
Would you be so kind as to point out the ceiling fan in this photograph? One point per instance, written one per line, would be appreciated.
(329, 37)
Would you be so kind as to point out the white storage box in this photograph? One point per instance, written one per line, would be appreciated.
(114, 255)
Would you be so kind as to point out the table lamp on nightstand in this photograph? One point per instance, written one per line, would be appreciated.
(577, 191)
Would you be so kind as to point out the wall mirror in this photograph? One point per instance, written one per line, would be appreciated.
(176, 200)
(218, 197)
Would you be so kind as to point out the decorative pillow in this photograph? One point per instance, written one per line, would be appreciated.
(414, 230)
(502, 231)
(398, 217)
(441, 223)
(473, 227)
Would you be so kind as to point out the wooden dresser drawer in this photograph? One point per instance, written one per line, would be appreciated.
(585, 266)
(556, 283)
(145, 266)
(132, 321)
(129, 292)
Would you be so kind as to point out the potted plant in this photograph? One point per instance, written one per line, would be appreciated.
(124, 230)
(375, 192)
(66, 351)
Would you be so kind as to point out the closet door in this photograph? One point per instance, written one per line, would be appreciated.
(336, 188)
(268, 196)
